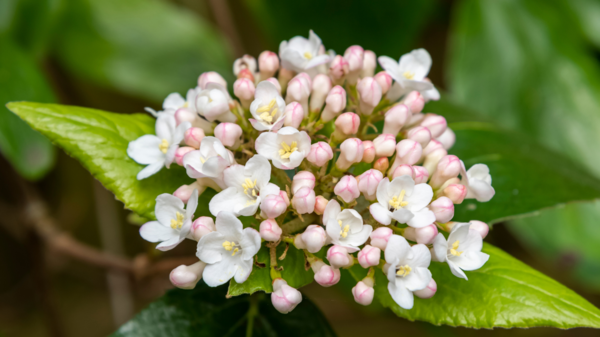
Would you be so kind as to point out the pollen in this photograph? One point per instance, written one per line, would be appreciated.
(344, 233)
(454, 248)
(397, 201)
(340, 223)
(308, 55)
(249, 187)
(404, 270)
(268, 112)
(286, 151)
(229, 246)
(409, 75)
(164, 146)
(177, 223)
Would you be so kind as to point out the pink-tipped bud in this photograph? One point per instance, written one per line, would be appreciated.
(382, 164)
(403, 170)
(408, 152)
(347, 188)
(294, 114)
(420, 134)
(334, 103)
(432, 146)
(443, 208)
(421, 174)
(306, 77)
(447, 138)
(424, 235)
(180, 152)
(246, 74)
(314, 238)
(320, 153)
(320, 88)
(338, 257)
(380, 237)
(370, 93)
(186, 277)
(447, 168)
(202, 226)
(368, 182)
(209, 77)
(284, 297)
(185, 115)
(298, 90)
(244, 89)
(272, 206)
(436, 124)
(369, 63)
(325, 275)
(432, 160)
(455, 192)
(320, 204)
(363, 292)
(184, 192)
(268, 64)
(338, 69)
(347, 123)
(414, 101)
(275, 83)
(304, 200)
(395, 119)
(354, 55)
(270, 230)
(369, 256)
(385, 81)
(229, 134)
(352, 151)
(385, 145)
(480, 227)
(193, 137)
(245, 62)
(369, 154)
(428, 291)
(303, 179)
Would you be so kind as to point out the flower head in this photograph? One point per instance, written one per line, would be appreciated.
(209, 161)
(267, 108)
(410, 71)
(345, 228)
(286, 148)
(302, 55)
(478, 182)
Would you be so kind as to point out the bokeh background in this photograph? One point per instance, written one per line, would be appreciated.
(71, 260)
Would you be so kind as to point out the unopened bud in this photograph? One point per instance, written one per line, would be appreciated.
(432, 146)
(284, 297)
(335, 102)
(408, 152)
(268, 64)
(443, 208)
(363, 292)
(320, 88)
(211, 77)
(368, 182)
(447, 138)
(244, 89)
(420, 134)
(347, 188)
(304, 200)
(303, 179)
(347, 124)
(403, 170)
(385, 81)
(428, 291)
(455, 192)
(325, 275)
(424, 235)
(380, 237)
(352, 151)
(314, 237)
(338, 257)
(272, 206)
(270, 230)
(370, 93)
(294, 114)
(298, 90)
(447, 168)
(354, 55)
(193, 137)
(246, 74)
(436, 124)
(414, 101)
(385, 145)
(229, 134)
(185, 115)
(369, 256)
(275, 82)
(395, 119)
(202, 226)
(320, 153)
(338, 69)
(432, 160)
(382, 164)
(369, 64)
(186, 277)
(320, 204)
(421, 174)
(480, 227)
(180, 152)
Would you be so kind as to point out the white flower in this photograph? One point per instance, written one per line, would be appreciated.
(408, 270)
(175, 101)
(410, 72)
(478, 182)
(286, 148)
(213, 103)
(403, 201)
(301, 54)
(462, 251)
(174, 223)
(267, 108)
(209, 161)
(229, 251)
(157, 150)
(246, 185)
(345, 228)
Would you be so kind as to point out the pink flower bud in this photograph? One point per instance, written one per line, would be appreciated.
(432, 160)
(480, 227)
(385, 145)
(186, 277)
(285, 197)
(304, 200)
(414, 101)
(334, 103)
(354, 55)
(432, 146)
(209, 77)
(338, 257)
(447, 138)
(268, 64)
(185, 115)
(368, 182)
(184, 192)
(298, 90)
(275, 83)
(229, 134)
(320, 204)
(347, 188)
(307, 78)
(320, 153)
(369, 256)
(193, 137)
(363, 293)
(284, 297)
(424, 235)
(246, 74)
(244, 62)
(370, 94)
(443, 208)
(294, 114)
(447, 168)
(428, 291)
(395, 119)
(455, 192)
(244, 89)
(303, 179)
(352, 151)
(369, 64)
(272, 206)
(421, 174)
(436, 124)
(270, 230)
(420, 134)
(339, 69)
(320, 88)
(180, 152)
(314, 237)
(385, 81)
(202, 226)
(347, 123)
(382, 164)
(326, 275)
(403, 170)
(380, 237)
(408, 152)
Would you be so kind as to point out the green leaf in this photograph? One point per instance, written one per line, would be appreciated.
(99, 140)
(205, 311)
(31, 154)
(148, 48)
(505, 292)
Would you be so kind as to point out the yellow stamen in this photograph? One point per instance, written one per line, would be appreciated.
(202, 160)
(249, 185)
(408, 75)
(340, 223)
(345, 231)
(308, 55)
(176, 224)
(268, 112)
(164, 146)
(396, 201)
(287, 150)
(404, 270)
(235, 251)
(454, 251)
(185, 105)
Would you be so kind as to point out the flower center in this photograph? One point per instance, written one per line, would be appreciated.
(396, 201)
(404, 270)
(177, 223)
(454, 248)
(164, 146)
(345, 229)
(308, 55)
(268, 112)
(409, 75)
(231, 246)
(286, 151)
(250, 188)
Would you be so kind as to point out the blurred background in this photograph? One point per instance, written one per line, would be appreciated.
(71, 260)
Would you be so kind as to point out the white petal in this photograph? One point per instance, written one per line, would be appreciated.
(480, 190)
(227, 201)
(265, 92)
(266, 144)
(357, 239)
(456, 271)
(235, 176)
(210, 247)
(258, 168)
(417, 62)
(244, 268)
(478, 171)
(219, 273)
(169, 244)
(419, 198)
(331, 211)
(402, 215)
(230, 226)
(418, 279)
(397, 249)
(149, 170)
(165, 126)
(167, 207)
(269, 189)
(153, 231)
(459, 232)
(400, 294)
(421, 256)
(405, 183)
(389, 65)
(250, 243)
(470, 260)
(381, 214)
(144, 150)
(173, 101)
(422, 218)
(192, 204)
(317, 60)
(333, 230)
(440, 248)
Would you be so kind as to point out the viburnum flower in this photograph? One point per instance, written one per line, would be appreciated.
(410, 71)
(229, 251)
(345, 228)
(174, 221)
(267, 108)
(462, 250)
(246, 185)
(175, 101)
(213, 103)
(478, 182)
(301, 54)
(286, 148)
(209, 161)
(408, 270)
(404, 202)
(158, 151)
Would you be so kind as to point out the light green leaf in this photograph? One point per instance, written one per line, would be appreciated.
(505, 292)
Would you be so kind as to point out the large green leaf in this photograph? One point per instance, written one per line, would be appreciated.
(99, 140)
(505, 292)
(205, 311)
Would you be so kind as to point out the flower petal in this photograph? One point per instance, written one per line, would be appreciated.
(167, 207)
(153, 231)
(422, 218)
(400, 294)
(149, 170)
(397, 249)
(250, 243)
(144, 150)
(210, 247)
(230, 226)
(456, 271)
(381, 214)
(219, 273)
(244, 268)
(470, 260)
(440, 248)
(331, 211)
(227, 200)
(418, 279)
(419, 198)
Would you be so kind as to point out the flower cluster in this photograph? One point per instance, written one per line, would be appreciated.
(328, 156)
